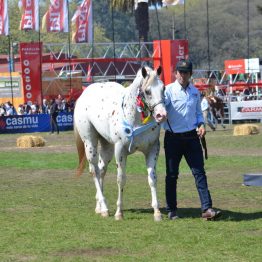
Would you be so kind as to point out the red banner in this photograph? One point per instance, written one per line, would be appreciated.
(4, 21)
(56, 18)
(30, 14)
(30, 54)
(167, 53)
(235, 66)
(82, 23)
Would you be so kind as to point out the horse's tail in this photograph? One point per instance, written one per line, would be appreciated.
(81, 153)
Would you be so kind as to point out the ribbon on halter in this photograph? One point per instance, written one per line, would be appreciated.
(131, 132)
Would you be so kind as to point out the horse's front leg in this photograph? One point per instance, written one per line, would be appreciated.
(151, 161)
(120, 156)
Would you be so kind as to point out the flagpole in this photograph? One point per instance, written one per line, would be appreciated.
(93, 38)
(10, 60)
(113, 36)
(185, 19)
(69, 46)
(208, 46)
(40, 55)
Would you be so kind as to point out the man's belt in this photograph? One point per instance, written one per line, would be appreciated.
(192, 133)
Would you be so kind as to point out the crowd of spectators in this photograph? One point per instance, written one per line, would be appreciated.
(237, 95)
(64, 105)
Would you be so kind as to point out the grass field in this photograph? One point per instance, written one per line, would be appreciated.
(46, 214)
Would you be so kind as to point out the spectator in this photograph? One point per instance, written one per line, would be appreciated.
(53, 115)
(20, 110)
(64, 106)
(2, 110)
(27, 109)
(35, 108)
(45, 107)
(206, 111)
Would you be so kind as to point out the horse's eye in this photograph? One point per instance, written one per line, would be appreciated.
(148, 92)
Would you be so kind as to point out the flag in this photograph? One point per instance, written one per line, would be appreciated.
(30, 14)
(88, 75)
(56, 18)
(4, 19)
(173, 2)
(82, 23)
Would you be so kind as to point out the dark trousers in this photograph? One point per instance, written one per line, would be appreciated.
(53, 124)
(188, 145)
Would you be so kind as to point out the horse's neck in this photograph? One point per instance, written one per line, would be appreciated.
(131, 115)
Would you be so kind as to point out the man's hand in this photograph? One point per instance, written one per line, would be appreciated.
(201, 131)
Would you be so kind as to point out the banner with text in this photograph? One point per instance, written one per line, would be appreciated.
(30, 54)
(34, 123)
(246, 110)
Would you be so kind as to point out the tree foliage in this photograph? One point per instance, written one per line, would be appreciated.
(231, 35)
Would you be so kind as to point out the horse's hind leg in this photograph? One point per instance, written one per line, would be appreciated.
(106, 151)
(91, 142)
(151, 161)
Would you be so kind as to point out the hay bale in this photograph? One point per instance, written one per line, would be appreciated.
(245, 129)
(30, 141)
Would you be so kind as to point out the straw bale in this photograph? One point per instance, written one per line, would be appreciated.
(246, 129)
(30, 141)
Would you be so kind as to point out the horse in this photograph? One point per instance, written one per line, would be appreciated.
(216, 106)
(107, 122)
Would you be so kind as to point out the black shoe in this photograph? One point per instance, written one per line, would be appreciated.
(211, 214)
(172, 215)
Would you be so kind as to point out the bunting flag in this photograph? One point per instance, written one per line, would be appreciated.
(4, 20)
(82, 23)
(30, 14)
(56, 18)
(173, 2)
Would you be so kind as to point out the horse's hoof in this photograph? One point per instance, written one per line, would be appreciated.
(104, 214)
(98, 211)
(119, 217)
(157, 218)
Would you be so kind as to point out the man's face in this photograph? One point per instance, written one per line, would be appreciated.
(183, 77)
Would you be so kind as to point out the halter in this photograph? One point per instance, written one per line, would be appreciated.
(141, 94)
(130, 131)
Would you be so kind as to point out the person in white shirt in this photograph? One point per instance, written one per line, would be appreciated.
(206, 112)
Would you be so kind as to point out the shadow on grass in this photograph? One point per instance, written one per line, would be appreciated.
(227, 215)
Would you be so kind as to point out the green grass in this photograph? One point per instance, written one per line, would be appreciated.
(46, 214)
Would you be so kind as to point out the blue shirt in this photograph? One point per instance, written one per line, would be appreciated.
(183, 108)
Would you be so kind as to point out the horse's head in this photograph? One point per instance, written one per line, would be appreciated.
(152, 90)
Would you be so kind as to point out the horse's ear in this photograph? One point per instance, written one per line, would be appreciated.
(159, 70)
(144, 72)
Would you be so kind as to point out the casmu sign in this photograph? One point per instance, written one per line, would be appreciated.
(242, 66)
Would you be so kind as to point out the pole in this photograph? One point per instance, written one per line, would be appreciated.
(10, 60)
(69, 47)
(185, 19)
(41, 59)
(208, 44)
(173, 26)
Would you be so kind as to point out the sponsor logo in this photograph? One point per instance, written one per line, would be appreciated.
(249, 109)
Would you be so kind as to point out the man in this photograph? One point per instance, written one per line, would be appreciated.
(205, 111)
(53, 115)
(184, 126)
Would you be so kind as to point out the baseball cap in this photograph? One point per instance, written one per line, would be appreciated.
(184, 66)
